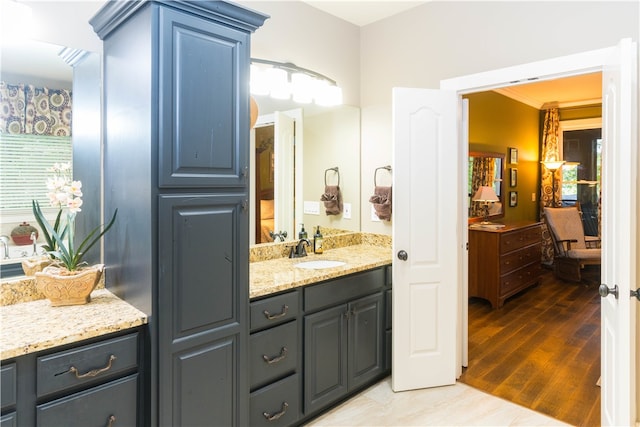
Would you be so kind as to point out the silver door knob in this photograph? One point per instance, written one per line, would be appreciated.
(604, 291)
(402, 255)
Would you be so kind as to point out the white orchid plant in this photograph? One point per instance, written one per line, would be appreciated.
(66, 194)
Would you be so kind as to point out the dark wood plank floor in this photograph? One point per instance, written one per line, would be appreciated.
(541, 350)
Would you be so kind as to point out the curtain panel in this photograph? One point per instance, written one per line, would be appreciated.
(550, 152)
(26, 109)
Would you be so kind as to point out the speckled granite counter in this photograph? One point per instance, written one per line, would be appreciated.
(34, 326)
(274, 275)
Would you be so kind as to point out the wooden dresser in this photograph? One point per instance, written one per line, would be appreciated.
(504, 261)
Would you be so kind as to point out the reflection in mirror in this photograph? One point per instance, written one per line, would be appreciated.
(485, 169)
(292, 144)
(52, 70)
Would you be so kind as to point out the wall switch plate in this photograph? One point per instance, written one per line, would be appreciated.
(533, 197)
(346, 210)
(311, 208)
(374, 217)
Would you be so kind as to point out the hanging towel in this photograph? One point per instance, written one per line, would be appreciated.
(381, 200)
(332, 198)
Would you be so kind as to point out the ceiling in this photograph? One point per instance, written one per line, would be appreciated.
(566, 92)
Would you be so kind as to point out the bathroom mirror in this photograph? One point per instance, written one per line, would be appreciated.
(486, 169)
(46, 65)
(325, 137)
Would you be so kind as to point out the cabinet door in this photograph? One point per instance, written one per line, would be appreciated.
(366, 339)
(325, 357)
(202, 309)
(204, 102)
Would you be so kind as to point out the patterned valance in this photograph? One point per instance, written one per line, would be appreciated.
(33, 110)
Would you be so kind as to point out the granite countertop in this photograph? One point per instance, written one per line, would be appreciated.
(34, 326)
(275, 275)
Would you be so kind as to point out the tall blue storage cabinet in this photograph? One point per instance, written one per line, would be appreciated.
(176, 157)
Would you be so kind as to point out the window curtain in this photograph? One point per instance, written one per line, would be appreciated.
(550, 152)
(26, 109)
(483, 173)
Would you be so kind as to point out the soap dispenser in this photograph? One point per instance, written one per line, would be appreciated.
(317, 242)
(303, 233)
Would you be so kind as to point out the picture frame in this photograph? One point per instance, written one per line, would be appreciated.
(513, 177)
(513, 156)
(513, 198)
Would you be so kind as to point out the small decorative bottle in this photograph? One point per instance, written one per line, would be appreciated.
(317, 242)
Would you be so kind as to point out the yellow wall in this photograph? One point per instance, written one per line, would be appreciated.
(497, 123)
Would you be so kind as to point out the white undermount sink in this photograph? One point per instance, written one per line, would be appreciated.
(319, 264)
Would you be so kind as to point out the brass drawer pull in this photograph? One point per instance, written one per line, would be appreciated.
(283, 354)
(112, 420)
(270, 316)
(93, 372)
(273, 417)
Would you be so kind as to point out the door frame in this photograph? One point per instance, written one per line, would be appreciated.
(550, 69)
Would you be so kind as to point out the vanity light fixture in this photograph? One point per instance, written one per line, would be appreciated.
(284, 80)
(486, 195)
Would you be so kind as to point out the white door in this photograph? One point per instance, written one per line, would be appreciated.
(619, 215)
(284, 138)
(426, 229)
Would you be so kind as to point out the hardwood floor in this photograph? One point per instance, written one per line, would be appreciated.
(541, 349)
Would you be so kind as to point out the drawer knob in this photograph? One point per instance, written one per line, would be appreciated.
(270, 316)
(282, 355)
(273, 417)
(93, 372)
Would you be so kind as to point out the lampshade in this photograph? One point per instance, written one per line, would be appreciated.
(485, 194)
(553, 165)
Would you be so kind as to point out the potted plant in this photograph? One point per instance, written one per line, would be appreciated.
(69, 279)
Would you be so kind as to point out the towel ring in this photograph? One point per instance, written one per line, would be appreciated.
(335, 169)
(375, 173)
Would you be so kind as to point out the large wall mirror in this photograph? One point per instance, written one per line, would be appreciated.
(292, 146)
(486, 169)
(44, 65)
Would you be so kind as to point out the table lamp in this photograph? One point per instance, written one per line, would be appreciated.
(486, 195)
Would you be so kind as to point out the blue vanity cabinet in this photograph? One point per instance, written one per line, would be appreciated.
(92, 382)
(344, 336)
(176, 155)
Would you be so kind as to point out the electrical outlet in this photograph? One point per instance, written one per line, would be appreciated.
(533, 197)
(346, 211)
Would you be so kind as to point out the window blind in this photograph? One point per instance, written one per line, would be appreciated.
(25, 161)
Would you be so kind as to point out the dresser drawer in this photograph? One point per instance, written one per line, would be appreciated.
(86, 364)
(8, 383)
(274, 310)
(273, 353)
(111, 404)
(514, 260)
(519, 278)
(510, 241)
(278, 404)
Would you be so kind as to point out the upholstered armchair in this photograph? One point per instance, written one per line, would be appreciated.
(571, 248)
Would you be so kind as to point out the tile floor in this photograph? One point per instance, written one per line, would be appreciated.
(456, 405)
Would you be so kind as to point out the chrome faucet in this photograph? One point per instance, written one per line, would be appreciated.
(5, 242)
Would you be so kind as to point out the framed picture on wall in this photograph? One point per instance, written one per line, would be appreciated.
(513, 198)
(513, 156)
(513, 177)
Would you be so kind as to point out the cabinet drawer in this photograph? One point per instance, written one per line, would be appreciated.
(514, 260)
(273, 353)
(85, 364)
(519, 278)
(340, 290)
(519, 239)
(274, 310)
(9, 420)
(8, 382)
(113, 403)
(278, 404)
